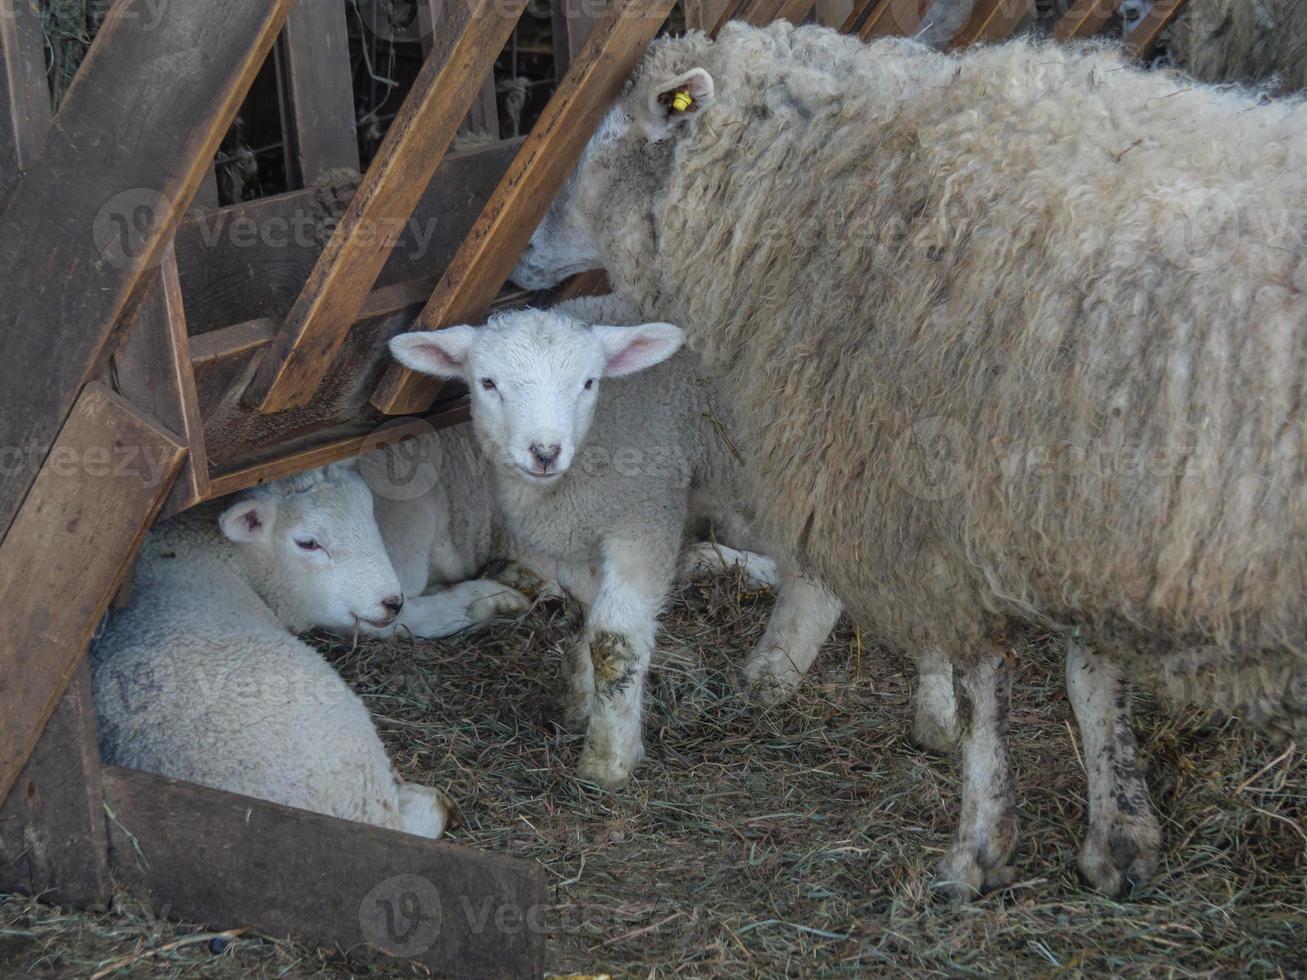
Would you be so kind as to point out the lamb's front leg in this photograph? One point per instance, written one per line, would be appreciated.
(620, 629)
(1121, 850)
(980, 857)
(803, 617)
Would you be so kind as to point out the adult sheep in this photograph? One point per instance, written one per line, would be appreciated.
(1242, 41)
(201, 678)
(952, 299)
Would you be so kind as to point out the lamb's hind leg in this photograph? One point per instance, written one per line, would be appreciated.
(620, 631)
(935, 724)
(1121, 850)
(980, 857)
(803, 617)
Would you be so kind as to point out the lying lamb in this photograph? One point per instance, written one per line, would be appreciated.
(201, 678)
(951, 300)
(610, 481)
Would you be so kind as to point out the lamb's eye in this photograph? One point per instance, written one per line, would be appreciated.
(487, 384)
(308, 544)
(589, 383)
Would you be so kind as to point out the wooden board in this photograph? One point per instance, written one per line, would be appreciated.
(61, 562)
(1085, 19)
(87, 226)
(152, 370)
(547, 156)
(991, 21)
(433, 21)
(572, 23)
(348, 268)
(1144, 38)
(252, 260)
(230, 861)
(317, 92)
(52, 839)
(24, 95)
(893, 18)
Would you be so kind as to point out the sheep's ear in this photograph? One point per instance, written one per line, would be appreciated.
(631, 349)
(249, 520)
(675, 101)
(439, 352)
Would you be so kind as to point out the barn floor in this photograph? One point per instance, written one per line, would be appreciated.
(795, 841)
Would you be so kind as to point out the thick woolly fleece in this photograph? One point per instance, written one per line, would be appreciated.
(1243, 41)
(1011, 334)
(200, 678)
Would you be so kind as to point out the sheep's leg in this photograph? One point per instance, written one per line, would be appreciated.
(935, 726)
(1121, 851)
(620, 630)
(422, 810)
(578, 676)
(457, 608)
(803, 617)
(710, 558)
(979, 859)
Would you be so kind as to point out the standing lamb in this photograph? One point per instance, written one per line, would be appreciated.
(1010, 335)
(607, 484)
(201, 678)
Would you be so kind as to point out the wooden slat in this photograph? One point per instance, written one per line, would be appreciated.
(1144, 38)
(85, 228)
(1085, 19)
(991, 21)
(547, 156)
(251, 260)
(483, 119)
(858, 15)
(795, 11)
(702, 15)
(732, 11)
(894, 18)
(832, 13)
(572, 21)
(24, 95)
(229, 860)
(52, 839)
(408, 157)
(152, 370)
(65, 552)
(317, 92)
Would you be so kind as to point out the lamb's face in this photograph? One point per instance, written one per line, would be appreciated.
(316, 555)
(534, 378)
(602, 216)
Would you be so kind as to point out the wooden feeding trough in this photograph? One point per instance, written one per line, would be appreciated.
(150, 364)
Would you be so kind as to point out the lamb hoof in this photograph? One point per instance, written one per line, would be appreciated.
(496, 600)
(610, 772)
(961, 876)
(1120, 859)
(698, 561)
(935, 734)
(577, 709)
(769, 677)
(425, 811)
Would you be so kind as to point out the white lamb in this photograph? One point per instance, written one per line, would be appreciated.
(607, 484)
(201, 678)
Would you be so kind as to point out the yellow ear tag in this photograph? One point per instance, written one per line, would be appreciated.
(682, 101)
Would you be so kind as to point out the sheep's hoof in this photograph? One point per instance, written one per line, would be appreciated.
(769, 677)
(577, 708)
(962, 876)
(496, 600)
(608, 771)
(933, 733)
(425, 811)
(1120, 858)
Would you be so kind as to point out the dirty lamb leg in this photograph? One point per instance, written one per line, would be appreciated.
(1121, 851)
(935, 723)
(979, 860)
(634, 581)
(803, 617)
(581, 582)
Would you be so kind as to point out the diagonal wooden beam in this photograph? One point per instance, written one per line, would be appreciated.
(861, 10)
(894, 18)
(794, 10)
(86, 228)
(1144, 38)
(548, 155)
(733, 10)
(427, 123)
(24, 94)
(87, 512)
(1085, 19)
(991, 21)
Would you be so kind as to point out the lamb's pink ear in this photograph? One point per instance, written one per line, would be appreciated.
(677, 101)
(631, 349)
(249, 520)
(439, 352)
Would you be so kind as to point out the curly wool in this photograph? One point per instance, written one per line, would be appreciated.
(1011, 334)
(1243, 41)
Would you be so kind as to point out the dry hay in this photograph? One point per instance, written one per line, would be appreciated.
(794, 841)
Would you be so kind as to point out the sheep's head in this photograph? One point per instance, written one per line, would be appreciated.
(313, 552)
(601, 218)
(534, 378)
